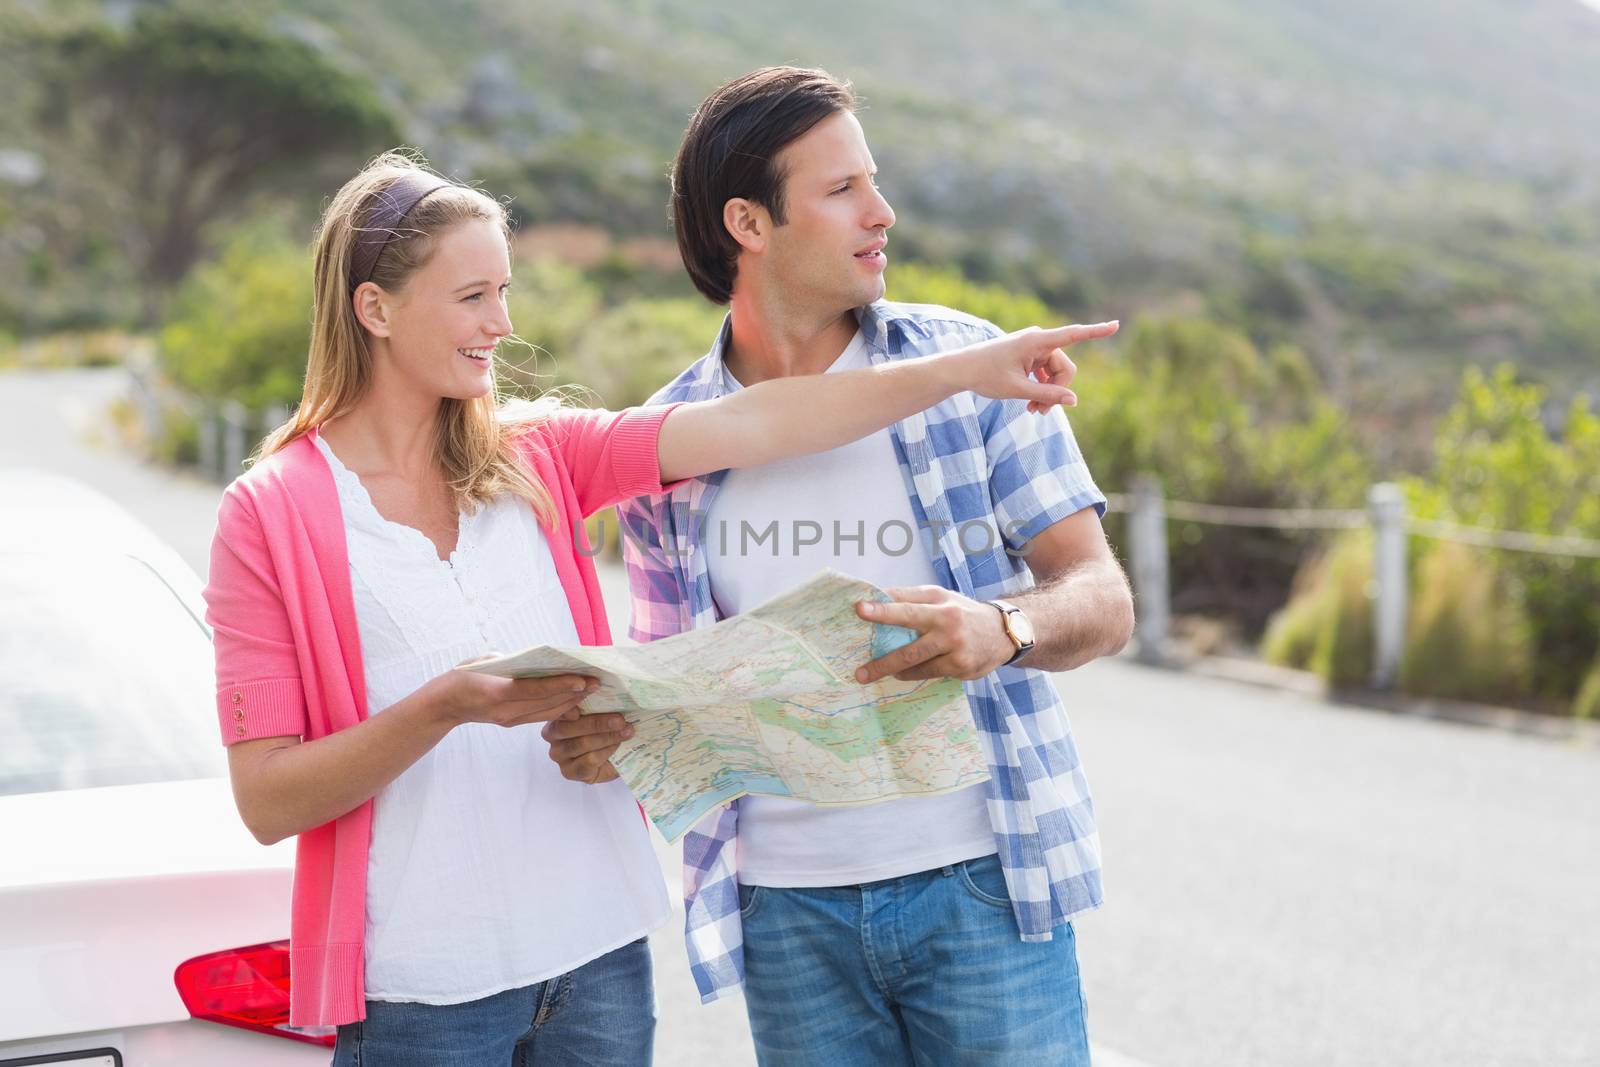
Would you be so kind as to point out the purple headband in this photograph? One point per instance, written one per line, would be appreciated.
(390, 206)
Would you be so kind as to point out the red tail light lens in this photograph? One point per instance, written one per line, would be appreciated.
(245, 987)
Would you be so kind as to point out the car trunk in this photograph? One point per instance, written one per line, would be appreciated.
(103, 892)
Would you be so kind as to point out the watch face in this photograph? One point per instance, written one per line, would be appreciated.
(1020, 626)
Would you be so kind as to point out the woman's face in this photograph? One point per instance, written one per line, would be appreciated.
(446, 321)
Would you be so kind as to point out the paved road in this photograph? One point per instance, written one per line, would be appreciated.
(1290, 882)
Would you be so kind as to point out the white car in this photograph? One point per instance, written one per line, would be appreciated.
(140, 923)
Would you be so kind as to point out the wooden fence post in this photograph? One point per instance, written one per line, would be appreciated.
(234, 429)
(208, 429)
(1387, 505)
(1147, 538)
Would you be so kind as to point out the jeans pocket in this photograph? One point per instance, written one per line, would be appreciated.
(749, 899)
(985, 879)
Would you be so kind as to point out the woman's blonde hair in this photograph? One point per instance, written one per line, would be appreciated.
(475, 441)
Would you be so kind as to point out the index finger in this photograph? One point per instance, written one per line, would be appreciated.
(564, 729)
(1061, 336)
(912, 616)
(550, 685)
(918, 594)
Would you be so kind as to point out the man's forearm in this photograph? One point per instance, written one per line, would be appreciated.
(1077, 616)
(1080, 610)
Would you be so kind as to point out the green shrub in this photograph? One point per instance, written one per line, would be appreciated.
(635, 348)
(241, 325)
(1344, 651)
(919, 283)
(1468, 634)
(1327, 625)
(1587, 704)
(551, 303)
(1292, 634)
(1498, 465)
(1200, 406)
(179, 443)
(72, 348)
(1218, 420)
(1270, 291)
(1485, 624)
(1360, 274)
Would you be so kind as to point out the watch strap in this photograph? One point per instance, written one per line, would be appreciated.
(1022, 647)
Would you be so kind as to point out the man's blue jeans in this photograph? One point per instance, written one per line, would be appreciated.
(923, 969)
(601, 1013)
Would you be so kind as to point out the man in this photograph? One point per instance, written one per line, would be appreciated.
(922, 929)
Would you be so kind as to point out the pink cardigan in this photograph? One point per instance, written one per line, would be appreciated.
(289, 654)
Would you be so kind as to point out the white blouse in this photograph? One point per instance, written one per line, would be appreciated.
(488, 870)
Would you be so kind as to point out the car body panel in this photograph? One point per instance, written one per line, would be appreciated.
(106, 891)
(179, 1044)
(122, 853)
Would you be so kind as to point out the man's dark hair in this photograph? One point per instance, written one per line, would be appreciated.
(730, 150)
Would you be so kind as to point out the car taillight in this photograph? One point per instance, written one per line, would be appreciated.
(245, 987)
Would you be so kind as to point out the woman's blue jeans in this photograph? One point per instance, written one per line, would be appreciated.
(600, 1015)
(924, 969)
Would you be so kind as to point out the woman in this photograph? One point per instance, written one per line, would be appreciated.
(456, 901)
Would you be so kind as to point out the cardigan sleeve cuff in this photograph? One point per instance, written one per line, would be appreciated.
(635, 458)
(275, 707)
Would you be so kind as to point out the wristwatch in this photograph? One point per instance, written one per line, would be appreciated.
(1017, 628)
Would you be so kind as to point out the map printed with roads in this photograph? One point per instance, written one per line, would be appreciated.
(766, 702)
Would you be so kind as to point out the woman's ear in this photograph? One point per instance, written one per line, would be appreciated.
(746, 222)
(371, 308)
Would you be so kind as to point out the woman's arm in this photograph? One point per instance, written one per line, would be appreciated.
(795, 416)
(284, 786)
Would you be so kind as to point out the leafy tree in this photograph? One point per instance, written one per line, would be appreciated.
(185, 115)
(586, 177)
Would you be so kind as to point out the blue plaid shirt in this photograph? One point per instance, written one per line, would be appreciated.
(965, 459)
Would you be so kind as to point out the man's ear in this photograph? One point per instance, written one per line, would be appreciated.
(372, 308)
(747, 222)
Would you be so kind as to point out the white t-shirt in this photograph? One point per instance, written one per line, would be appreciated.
(829, 499)
(488, 871)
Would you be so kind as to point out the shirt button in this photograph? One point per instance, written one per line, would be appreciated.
(237, 697)
(238, 713)
(239, 729)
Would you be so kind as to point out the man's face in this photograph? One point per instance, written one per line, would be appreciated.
(829, 253)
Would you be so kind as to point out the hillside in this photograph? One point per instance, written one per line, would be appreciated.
(1397, 188)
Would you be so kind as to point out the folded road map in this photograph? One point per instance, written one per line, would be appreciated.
(767, 702)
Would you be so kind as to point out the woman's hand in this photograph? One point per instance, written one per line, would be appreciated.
(799, 414)
(465, 696)
(285, 786)
(1027, 365)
